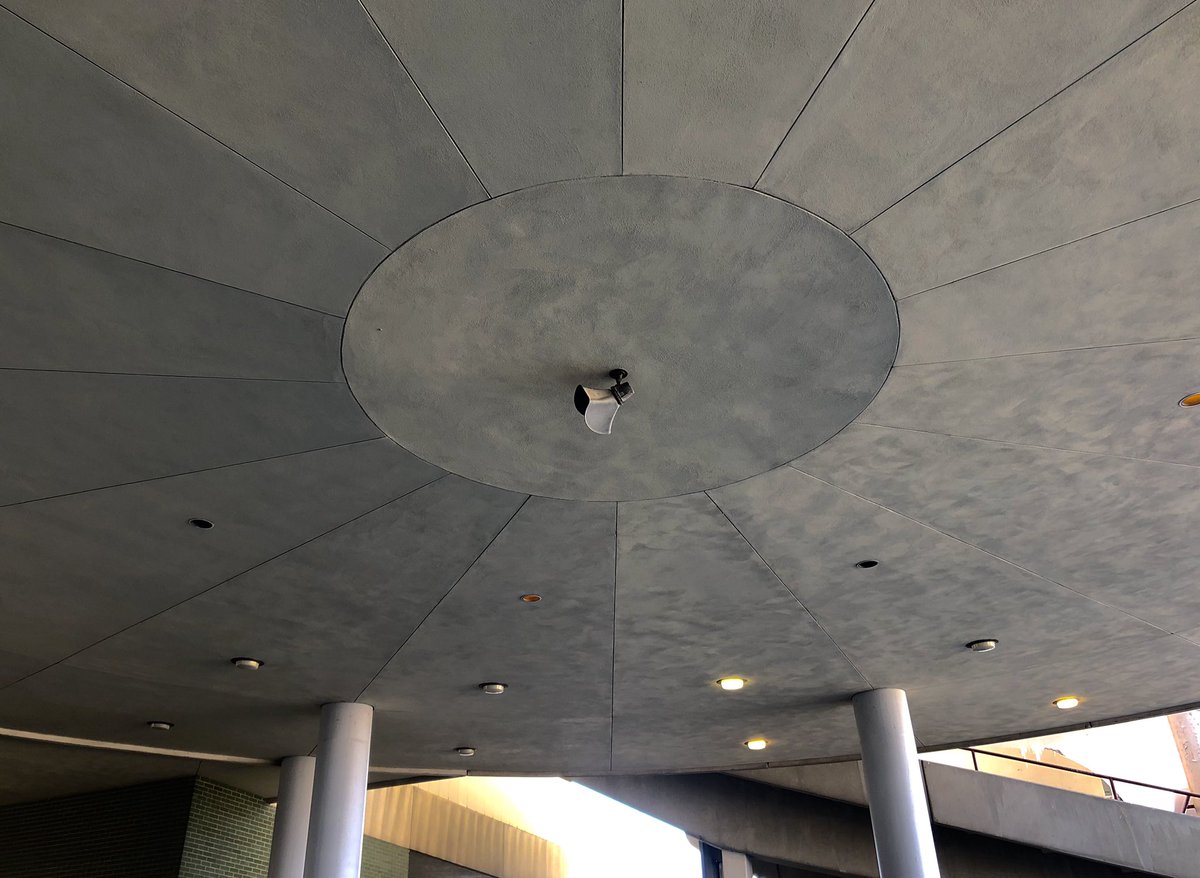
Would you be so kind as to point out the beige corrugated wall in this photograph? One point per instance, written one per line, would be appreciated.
(417, 819)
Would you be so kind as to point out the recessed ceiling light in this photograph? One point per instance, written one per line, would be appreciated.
(161, 725)
(465, 751)
(531, 598)
(1067, 702)
(202, 523)
(493, 688)
(866, 565)
(987, 644)
(756, 744)
(1190, 400)
(246, 664)
(731, 684)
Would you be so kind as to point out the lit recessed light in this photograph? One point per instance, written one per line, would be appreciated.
(867, 565)
(756, 744)
(202, 523)
(1190, 400)
(161, 725)
(465, 751)
(531, 598)
(493, 688)
(1067, 702)
(731, 684)
(246, 664)
(987, 644)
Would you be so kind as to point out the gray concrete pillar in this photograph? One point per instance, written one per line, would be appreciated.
(339, 801)
(290, 838)
(895, 786)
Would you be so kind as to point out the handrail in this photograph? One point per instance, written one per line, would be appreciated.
(1188, 795)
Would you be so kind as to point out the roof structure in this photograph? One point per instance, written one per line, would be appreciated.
(909, 281)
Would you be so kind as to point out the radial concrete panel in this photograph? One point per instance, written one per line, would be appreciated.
(557, 652)
(711, 88)
(695, 602)
(80, 568)
(1117, 530)
(1135, 283)
(309, 91)
(813, 535)
(377, 575)
(32, 771)
(530, 89)
(13, 666)
(106, 707)
(106, 167)
(726, 306)
(72, 308)
(1120, 400)
(916, 89)
(1150, 677)
(65, 432)
(1117, 145)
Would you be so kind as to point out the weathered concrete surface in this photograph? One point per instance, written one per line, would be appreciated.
(1118, 145)
(530, 89)
(107, 167)
(752, 332)
(309, 91)
(915, 90)
(711, 88)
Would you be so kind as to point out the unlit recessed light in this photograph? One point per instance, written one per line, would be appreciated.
(531, 598)
(1190, 400)
(756, 744)
(731, 684)
(246, 664)
(1067, 702)
(987, 644)
(202, 523)
(465, 751)
(161, 725)
(867, 565)
(493, 688)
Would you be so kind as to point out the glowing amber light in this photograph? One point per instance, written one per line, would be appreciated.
(1188, 401)
(757, 744)
(731, 684)
(1067, 702)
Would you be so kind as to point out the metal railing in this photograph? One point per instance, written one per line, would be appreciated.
(1190, 799)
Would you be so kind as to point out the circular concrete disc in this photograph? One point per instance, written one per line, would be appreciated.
(752, 332)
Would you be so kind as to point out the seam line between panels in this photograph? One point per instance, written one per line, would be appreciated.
(442, 599)
(196, 127)
(1024, 116)
(192, 472)
(971, 545)
(395, 54)
(206, 280)
(622, 90)
(224, 581)
(612, 703)
(813, 94)
(1046, 353)
(1022, 445)
(789, 590)
(168, 375)
(1037, 253)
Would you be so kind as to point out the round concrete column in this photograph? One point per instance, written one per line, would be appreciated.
(895, 787)
(290, 838)
(339, 792)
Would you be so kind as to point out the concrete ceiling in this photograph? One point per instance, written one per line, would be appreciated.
(192, 197)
